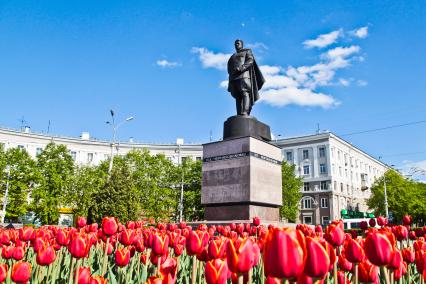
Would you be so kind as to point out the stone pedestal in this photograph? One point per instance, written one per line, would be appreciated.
(241, 180)
(242, 126)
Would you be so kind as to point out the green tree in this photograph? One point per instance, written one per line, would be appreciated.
(155, 179)
(192, 208)
(22, 178)
(117, 197)
(56, 168)
(291, 185)
(405, 196)
(85, 184)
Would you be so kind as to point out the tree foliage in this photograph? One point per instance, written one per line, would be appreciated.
(56, 168)
(192, 208)
(291, 185)
(405, 196)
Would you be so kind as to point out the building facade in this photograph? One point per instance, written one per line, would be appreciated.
(337, 176)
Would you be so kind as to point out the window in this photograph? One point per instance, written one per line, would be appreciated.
(89, 157)
(21, 147)
(324, 202)
(338, 155)
(341, 187)
(323, 169)
(347, 188)
(289, 156)
(323, 185)
(38, 151)
(332, 152)
(184, 159)
(307, 203)
(346, 172)
(73, 155)
(305, 154)
(306, 186)
(322, 151)
(198, 158)
(340, 171)
(307, 219)
(325, 220)
(335, 185)
(333, 168)
(306, 170)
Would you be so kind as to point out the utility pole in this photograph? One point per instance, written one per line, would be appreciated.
(180, 142)
(386, 196)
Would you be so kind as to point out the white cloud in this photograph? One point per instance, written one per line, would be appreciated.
(260, 46)
(167, 64)
(323, 40)
(210, 59)
(341, 52)
(302, 97)
(361, 32)
(362, 83)
(344, 82)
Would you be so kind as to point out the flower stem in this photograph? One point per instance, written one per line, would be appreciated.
(104, 265)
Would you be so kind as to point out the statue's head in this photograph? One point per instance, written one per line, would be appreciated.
(238, 44)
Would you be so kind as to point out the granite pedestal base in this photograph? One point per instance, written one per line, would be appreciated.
(241, 180)
(243, 126)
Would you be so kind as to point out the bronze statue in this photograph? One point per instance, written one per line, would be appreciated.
(245, 78)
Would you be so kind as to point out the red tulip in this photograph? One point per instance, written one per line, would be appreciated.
(240, 255)
(354, 251)
(305, 279)
(217, 248)
(216, 271)
(160, 244)
(98, 280)
(381, 221)
(25, 233)
(406, 220)
(155, 280)
(401, 233)
(372, 222)
(272, 280)
(363, 225)
(138, 242)
(81, 222)
(378, 249)
(368, 272)
(144, 258)
(63, 237)
(79, 246)
(127, 236)
(256, 221)
(343, 263)
(408, 255)
(122, 257)
(4, 238)
(46, 256)
(342, 279)
(400, 271)
(3, 272)
(283, 253)
(317, 262)
(168, 271)
(21, 272)
(83, 275)
(335, 233)
(109, 226)
(7, 252)
(196, 241)
(396, 260)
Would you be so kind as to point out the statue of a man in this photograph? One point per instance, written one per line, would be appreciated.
(245, 78)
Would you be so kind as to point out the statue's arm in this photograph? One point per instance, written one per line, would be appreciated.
(248, 62)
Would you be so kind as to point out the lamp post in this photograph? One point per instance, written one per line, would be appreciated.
(179, 143)
(3, 213)
(114, 134)
(386, 197)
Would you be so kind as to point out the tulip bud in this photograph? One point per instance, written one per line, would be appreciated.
(372, 222)
(7, 252)
(122, 257)
(217, 248)
(79, 246)
(401, 233)
(406, 220)
(240, 255)
(408, 255)
(317, 261)
(354, 251)
(81, 222)
(363, 225)
(343, 263)
(378, 249)
(381, 221)
(83, 275)
(283, 253)
(256, 221)
(46, 256)
(160, 244)
(98, 280)
(127, 236)
(3, 272)
(335, 233)
(25, 233)
(216, 271)
(109, 226)
(368, 272)
(21, 272)
(196, 241)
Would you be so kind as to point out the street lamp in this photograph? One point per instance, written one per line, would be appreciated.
(179, 143)
(3, 213)
(114, 134)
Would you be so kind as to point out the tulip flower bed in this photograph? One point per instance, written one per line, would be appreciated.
(238, 253)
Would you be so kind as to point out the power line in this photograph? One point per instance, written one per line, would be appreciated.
(384, 128)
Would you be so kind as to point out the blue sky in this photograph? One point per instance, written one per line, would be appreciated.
(348, 66)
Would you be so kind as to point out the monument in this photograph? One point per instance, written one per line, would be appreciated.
(242, 173)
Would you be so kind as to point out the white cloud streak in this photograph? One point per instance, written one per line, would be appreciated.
(167, 64)
(361, 32)
(323, 40)
(210, 59)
